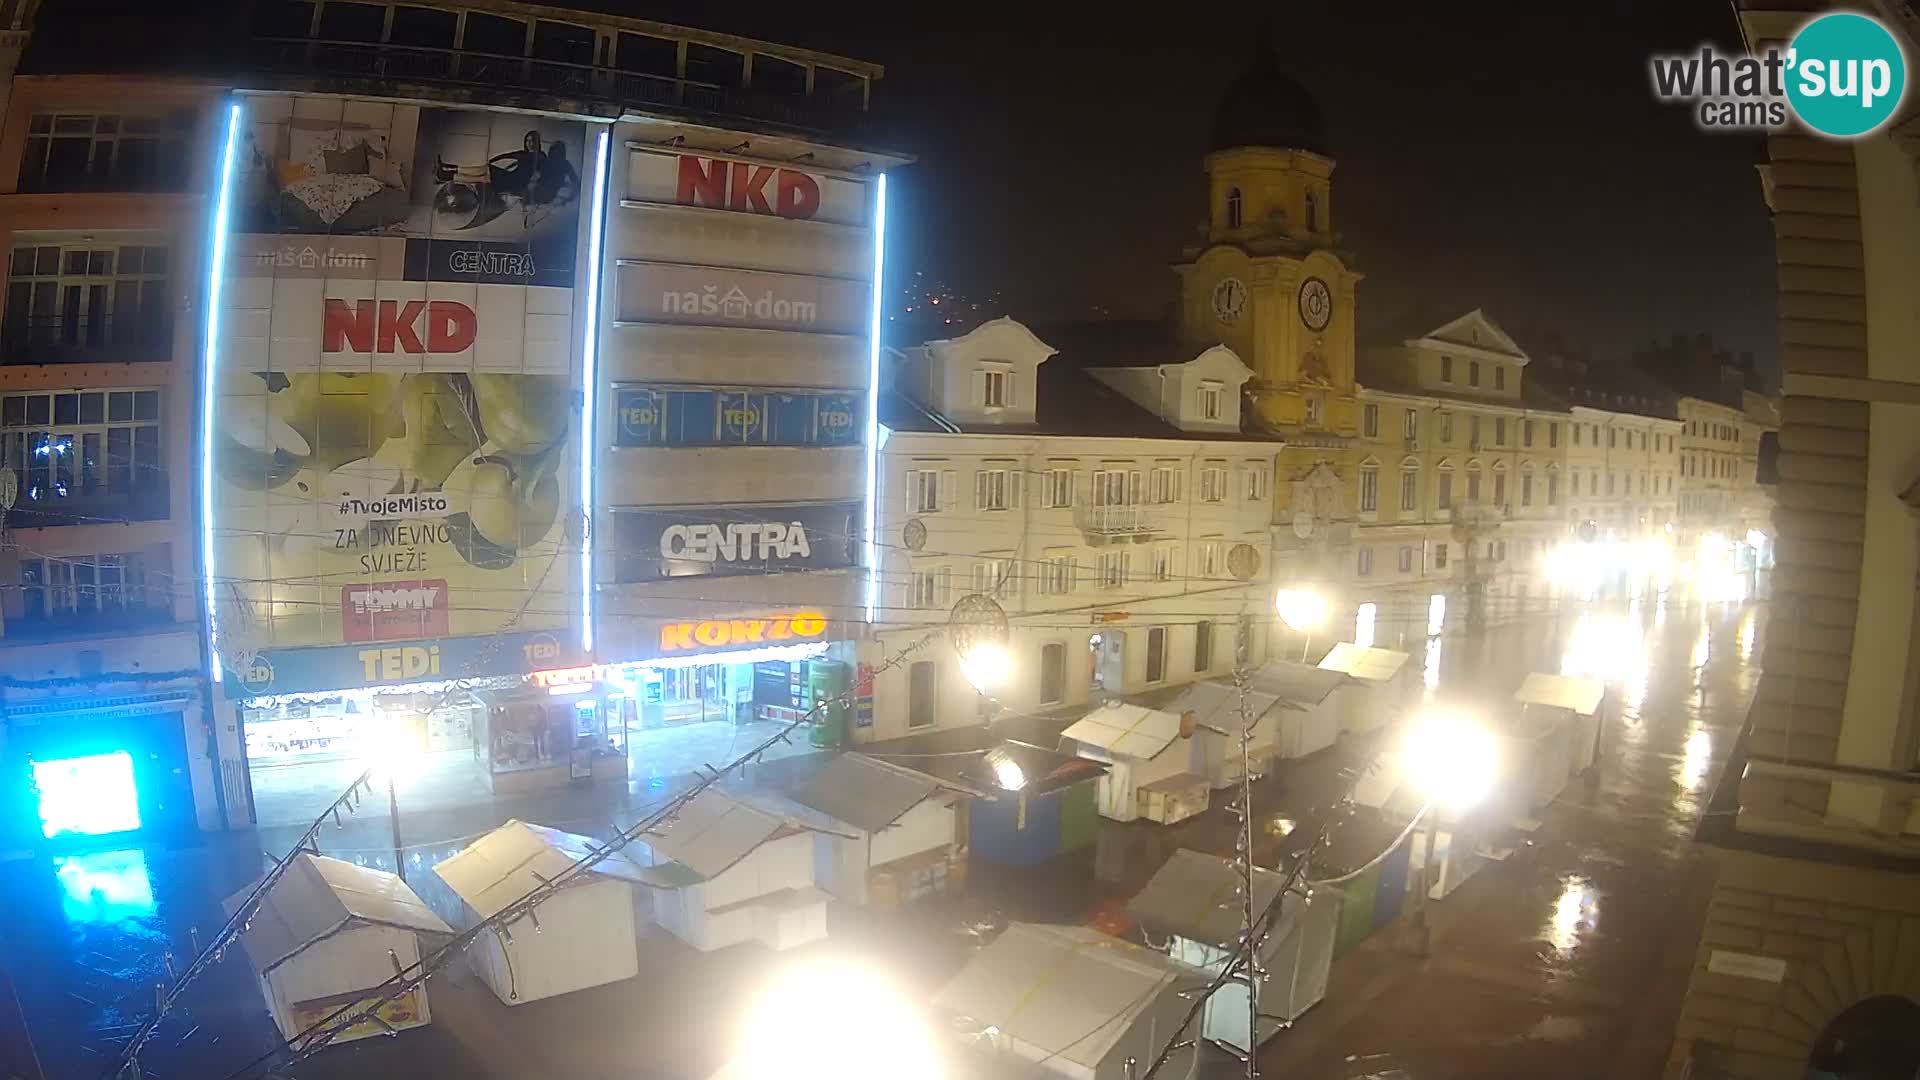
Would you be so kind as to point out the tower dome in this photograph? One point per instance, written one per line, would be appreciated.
(1266, 108)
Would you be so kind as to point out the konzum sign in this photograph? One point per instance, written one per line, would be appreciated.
(767, 189)
(743, 633)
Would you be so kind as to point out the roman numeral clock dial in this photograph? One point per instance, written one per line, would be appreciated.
(1316, 304)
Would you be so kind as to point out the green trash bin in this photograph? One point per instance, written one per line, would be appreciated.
(827, 683)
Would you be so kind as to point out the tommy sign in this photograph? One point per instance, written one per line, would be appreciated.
(654, 544)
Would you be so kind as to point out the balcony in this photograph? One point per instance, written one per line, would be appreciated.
(95, 340)
(41, 505)
(1137, 520)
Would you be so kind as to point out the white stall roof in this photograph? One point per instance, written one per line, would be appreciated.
(516, 858)
(1364, 663)
(1216, 703)
(1561, 691)
(1300, 683)
(1197, 896)
(1069, 991)
(708, 836)
(1125, 730)
(318, 897)
(864, 792)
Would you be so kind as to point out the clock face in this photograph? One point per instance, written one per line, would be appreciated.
(1316, 304)
(1229, 296)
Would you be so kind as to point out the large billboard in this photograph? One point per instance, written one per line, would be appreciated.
(398, 376)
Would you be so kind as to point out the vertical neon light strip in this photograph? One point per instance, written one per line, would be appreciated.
(209, 378)
(589, 356)
(872, 547)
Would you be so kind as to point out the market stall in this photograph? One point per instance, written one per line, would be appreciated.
(1462, 840)
(1194, 901)
(894, 830)
(1383, 684)
(581, 936)
(1318, 697)
(328, 931)
(1573, 699)
(1072, 999)
(1536, 755)
(724, 872)
(1152, 772)
(1215, 705)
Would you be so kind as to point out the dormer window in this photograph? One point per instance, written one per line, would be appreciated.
(996, 387)
(1235, 209)
(1313, 213)
(1210, 403)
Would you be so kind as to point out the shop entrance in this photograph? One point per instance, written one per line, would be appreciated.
(76, 777)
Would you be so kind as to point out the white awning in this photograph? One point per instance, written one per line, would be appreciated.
(1123, 730)
(1364, 663)
(1562, 691)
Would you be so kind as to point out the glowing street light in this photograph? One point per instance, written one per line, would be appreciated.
(986, 665)
(1303, 610)
(1452, 759)
(801, 1028)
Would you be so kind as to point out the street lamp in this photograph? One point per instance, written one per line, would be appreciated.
(805, 1026)
(986, 665)
(1453, 761)
(390, 749)
(1304, 611)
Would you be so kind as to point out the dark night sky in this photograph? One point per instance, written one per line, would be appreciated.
(1502, 155)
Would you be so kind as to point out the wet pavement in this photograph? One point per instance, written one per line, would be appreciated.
(1569, 957)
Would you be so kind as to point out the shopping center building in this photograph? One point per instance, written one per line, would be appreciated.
(474, 278)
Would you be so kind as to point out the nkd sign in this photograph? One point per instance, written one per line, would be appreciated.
(747, 187)
(650, 545)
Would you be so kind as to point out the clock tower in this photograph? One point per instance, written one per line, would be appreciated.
(1265, 279)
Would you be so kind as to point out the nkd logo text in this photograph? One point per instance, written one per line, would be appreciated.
(1843, 76)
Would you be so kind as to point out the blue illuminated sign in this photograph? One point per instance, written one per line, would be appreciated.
(718, 416)
(395, 663)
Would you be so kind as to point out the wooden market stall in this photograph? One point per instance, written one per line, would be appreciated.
(581, 936)
(1215, 705)
(1194, 901)
(1150, 757)
(328, 931)
(1318, 698)
(724, 872)
(1071, 999)
(894, 831)
(1574, 699)
(1383, 679)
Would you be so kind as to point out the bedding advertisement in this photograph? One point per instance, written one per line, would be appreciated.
(398, 377)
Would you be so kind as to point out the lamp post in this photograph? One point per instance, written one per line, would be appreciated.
(1304, 611)
(986, 664)
(1451, 760)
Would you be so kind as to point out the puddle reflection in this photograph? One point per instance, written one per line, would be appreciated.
(104, 886)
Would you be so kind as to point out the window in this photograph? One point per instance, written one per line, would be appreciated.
(1163, 484)
(1410, 425)
(1643, 483)
(1610, 438)
(1553, 490)
(1553, 436)
(996, 388)
(1409, 491)
(1594, 430)
(1526, 489)
(1609, 481)
(1406, 558)
(1157, 654)
(1213, 483)
(996, 577)
(1443, 495)
(929, 490)
(1446, 369)
(1116, 487)
(1499, 489)
(1313, 213)
(1236, 214)
(1210, 393)
(108, 152)
(923, 698)
(1316, 410)
(1473, 373)
(82, 455)
(1256, 482)
(1440, 555)
(1056, 575)
(1364, 562)
(1593, 482)
(1056, 488)
(1369, 490)
(1211, 559)
(1473, 432)
(1163, 560)
(1446, 428)
(1370, 421)
(1202, 646)
(996, 489)
(927, 589)
(1576, 433)
(1113, 569)
(88, 301)
(1053, 673)
(1526, 433)
(1473, 485)
(88, 590)
(1499, 431)
(1499, 377)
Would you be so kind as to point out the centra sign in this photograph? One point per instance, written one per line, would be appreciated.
(736, 633)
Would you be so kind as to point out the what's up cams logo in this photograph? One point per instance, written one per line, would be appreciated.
(1843, 76)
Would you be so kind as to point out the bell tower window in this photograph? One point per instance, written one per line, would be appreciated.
(1313, 213)
(1234, 209)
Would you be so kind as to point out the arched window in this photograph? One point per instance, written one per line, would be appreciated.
(1234, 213)
(1313, 213)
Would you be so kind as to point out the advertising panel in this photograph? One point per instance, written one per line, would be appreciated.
(714, 416)
(715, 541)
(683, 179)
(757, 299)
(397, 377)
